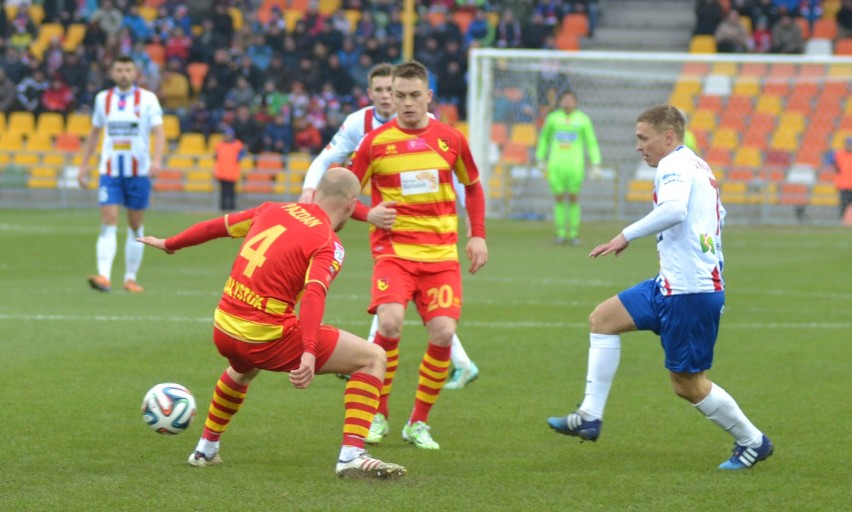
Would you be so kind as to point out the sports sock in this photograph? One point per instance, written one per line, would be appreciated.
(722, 409)
(434, 369)
(133, 253)
(458, 355)
(391, 346)
(106, 248)
(604, 356)
(360, 402)
(560, 216)
(573, 220)
(227, 399)
(208, 448)
(374, 328)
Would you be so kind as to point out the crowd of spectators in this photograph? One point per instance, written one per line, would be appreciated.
(773, 24)
(279, 89)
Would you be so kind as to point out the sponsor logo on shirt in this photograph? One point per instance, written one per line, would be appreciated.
(707, 244)
(390, 149)
(338, 253)
(419, 182)
(416, 144)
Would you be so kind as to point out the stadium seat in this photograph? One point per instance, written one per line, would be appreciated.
(843, 46)
(734, 192)
(724, 69)
(753, 69)
(36, 13)
(169, 181)
(718, 157)
(269, 161)
(291, 16)
(237, 18)
(795, 194)
(171, 127)
(21, 122)
(710, 102)
(702, 44)
(524, 133)
(823, 194)
(825, 28)
(39, 142)
(747, 86)
(703, 120)
(803, 174)
(640, 191)
(50, 123)
(777, 158)
(463, 18)
(792, 121)
(818, 46)
(516, 153)
(768, 105)
(180, 162)
(191, 144)
(499, 133)
(68, 142)
(148, 12)
(747, 157)
(197, 71)
(745, 174)
(354, 17)
(79, 124)
(726, 138)
(776, 89)
(26, 159)
(73, 36)
(157, 52)
(804, 26)
(448, 113)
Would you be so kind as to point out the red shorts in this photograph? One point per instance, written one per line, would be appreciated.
(281, 355)
(434, 287)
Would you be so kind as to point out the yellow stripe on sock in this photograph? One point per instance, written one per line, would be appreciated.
(359, 414)
(359, 399)
(434, 362)
(226, 403)
(228, 390)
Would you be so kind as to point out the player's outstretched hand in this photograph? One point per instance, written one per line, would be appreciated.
(616, 245)
(157, 243)
(382, 215)
(302, 377)
(307, 196)
(477, 253)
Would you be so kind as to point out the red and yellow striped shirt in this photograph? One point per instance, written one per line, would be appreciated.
(415, 168)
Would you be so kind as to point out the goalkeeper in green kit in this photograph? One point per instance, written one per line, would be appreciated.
(560, 153)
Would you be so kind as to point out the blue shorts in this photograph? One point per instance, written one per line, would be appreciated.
(687, 324)
(131, 192)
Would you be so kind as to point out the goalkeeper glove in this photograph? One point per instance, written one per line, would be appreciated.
(596, 173)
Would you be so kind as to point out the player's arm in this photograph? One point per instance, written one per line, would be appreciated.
(591, 140)
(337, 150)
(467, 172)
(88, 150)
(234, 225)
(544, 141)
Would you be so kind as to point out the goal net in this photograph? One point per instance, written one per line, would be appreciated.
(766, 124)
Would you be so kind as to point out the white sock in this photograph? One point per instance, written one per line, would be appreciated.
(348, 453)
(604, 355)
(722, 409)
(106, 248)
(458, 355)
(208, 448)
(374, 328)
(133, 253)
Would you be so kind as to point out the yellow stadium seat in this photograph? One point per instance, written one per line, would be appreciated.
(734, 192)
(39, 142)
(36, 13)
(784, 140)
(44, 172)
(73, 36)
(54, 159)
(49, 31)
(824, 194)
(329, 7)
(148, 12)
(794, 121)
(839, 138)
(191, 144)
(299, 162)
(640, 191)
(11, 141)
(237, 17)
(21, 122)
(462, 126)
(50, 123)
(747, 157)
(171, 127)
(724, 68)
(79, 124)
(768, 105)
(524, 133)
(702, 44)
(180, 162)
(687, 86)
(746, 86)
(726, 138)
(291, 16)
(353, 16)
(26, 159)
(214, 139)
(205, 162)
(703, 120)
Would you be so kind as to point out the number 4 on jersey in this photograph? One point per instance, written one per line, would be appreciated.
(256, 255)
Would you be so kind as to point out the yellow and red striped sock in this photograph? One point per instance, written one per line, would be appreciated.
(434, 370)
(391, 346)
(360, 401)
(227, 399)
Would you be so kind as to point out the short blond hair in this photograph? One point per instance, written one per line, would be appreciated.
(664, 117)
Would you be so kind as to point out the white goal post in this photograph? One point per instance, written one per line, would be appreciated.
(748, 111)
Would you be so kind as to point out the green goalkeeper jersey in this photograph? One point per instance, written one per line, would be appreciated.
(562, 139)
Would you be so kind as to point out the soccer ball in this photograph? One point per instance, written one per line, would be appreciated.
(168, 408)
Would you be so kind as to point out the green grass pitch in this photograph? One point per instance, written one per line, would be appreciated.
(76, 364)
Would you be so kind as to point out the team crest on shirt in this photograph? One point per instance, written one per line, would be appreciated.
(382, 284)
(444, 144)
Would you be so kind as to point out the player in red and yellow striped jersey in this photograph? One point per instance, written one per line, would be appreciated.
(291, 254)
(409, 163)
